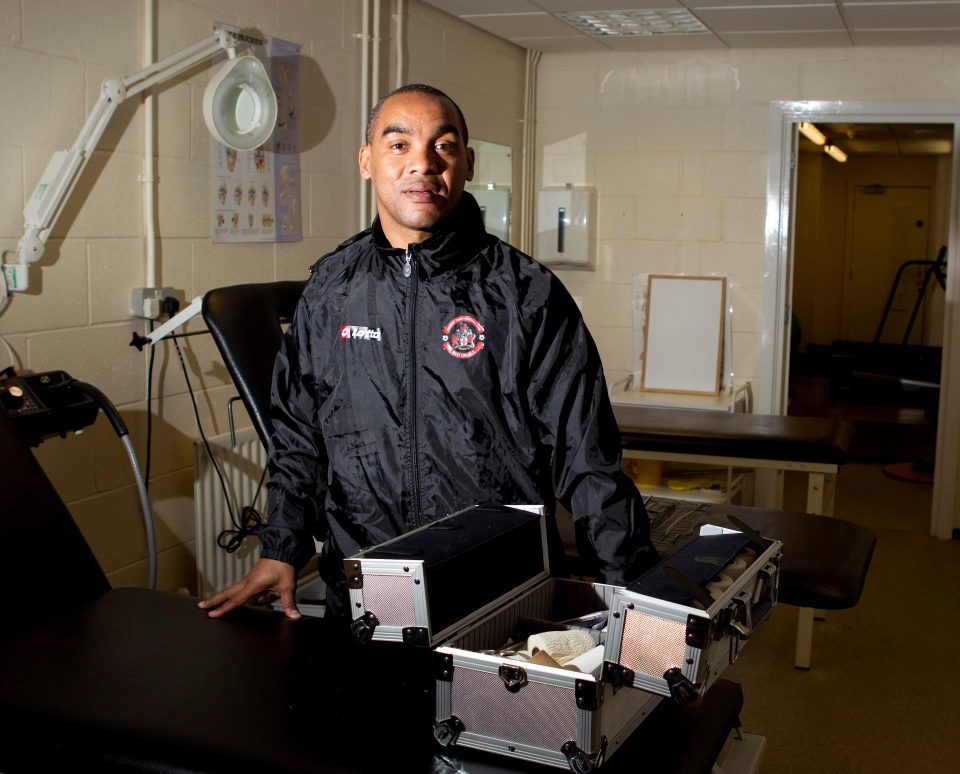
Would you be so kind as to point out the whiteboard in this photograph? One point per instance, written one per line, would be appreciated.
(683, 336)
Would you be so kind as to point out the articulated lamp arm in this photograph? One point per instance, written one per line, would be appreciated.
(65, 167)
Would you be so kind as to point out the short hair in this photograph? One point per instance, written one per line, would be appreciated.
(421, 88)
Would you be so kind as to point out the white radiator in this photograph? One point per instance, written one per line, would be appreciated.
(242, 467)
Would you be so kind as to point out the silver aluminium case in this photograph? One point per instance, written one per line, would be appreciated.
(390, 597)
(678, 650)
(559, 717)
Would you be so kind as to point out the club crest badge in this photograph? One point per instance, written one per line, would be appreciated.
(463, 337)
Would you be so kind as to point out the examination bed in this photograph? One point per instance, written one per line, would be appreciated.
(137, 680)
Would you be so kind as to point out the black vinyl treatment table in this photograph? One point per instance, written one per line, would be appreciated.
(812, 445)
(137, 680)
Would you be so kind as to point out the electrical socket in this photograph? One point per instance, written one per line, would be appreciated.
(148, 302)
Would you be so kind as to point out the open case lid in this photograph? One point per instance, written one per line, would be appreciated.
(441, 577)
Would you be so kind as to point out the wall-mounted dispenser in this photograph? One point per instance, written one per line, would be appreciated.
(494, 204)
(567, 227)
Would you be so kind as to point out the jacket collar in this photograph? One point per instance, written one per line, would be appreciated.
(457, 243)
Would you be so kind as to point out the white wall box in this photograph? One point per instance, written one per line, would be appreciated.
(567, 227)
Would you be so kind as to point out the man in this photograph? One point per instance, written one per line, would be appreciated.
(431, 367)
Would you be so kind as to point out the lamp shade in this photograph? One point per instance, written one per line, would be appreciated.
(239, 104)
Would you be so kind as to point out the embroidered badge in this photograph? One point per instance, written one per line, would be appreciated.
(362, 332)
(463, 337)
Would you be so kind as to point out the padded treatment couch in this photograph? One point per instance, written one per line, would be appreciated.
(102, 679)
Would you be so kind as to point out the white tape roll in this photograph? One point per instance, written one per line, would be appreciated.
(562, 645)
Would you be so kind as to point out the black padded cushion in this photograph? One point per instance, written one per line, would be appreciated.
(45, 562)
(726, 434)
(136, 680)
(825, 560)
(245, 323)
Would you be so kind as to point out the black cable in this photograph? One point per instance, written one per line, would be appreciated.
(153, 353)
(230, 540)
(250, 521)
(203, 437)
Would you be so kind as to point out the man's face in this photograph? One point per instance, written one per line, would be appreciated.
(418, 163)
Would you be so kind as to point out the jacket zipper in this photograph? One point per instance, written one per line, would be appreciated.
(408, 271)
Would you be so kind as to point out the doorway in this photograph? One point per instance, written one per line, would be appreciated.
(785, 236)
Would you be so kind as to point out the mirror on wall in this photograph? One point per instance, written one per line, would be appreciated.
(492, 185)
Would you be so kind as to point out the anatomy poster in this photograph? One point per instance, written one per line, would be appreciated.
(256, 194)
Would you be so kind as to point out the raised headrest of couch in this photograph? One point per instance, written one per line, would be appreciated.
(245, 321)
(45, 562)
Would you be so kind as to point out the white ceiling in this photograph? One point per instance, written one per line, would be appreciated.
(731, 23)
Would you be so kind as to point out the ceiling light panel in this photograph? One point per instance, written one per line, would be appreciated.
(635, 22)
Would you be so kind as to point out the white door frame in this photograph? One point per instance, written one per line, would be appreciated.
(778, 272)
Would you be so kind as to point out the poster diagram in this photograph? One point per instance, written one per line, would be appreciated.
(256, 194)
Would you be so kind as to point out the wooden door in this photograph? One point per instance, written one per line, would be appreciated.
(887, 226)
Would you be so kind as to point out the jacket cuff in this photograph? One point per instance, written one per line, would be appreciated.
(286, 546)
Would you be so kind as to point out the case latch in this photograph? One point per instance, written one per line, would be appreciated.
(741, 621)
(514, 677)
(771, 574)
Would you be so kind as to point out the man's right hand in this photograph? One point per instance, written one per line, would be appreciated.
(266, 575)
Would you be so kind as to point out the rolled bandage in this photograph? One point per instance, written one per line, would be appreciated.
(719, 584)
(590, 662)
(542, 658)
(737, 567)
(561, 646)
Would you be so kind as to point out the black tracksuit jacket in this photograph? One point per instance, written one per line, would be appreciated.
(413, 383)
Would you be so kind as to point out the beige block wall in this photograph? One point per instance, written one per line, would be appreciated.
(54, 55)
(676, 145)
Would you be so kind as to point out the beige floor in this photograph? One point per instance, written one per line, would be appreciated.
(883, 694)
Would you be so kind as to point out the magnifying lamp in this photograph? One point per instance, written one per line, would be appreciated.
(239, 104)
(239, 109)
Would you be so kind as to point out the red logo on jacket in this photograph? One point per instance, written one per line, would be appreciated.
(463, 337)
